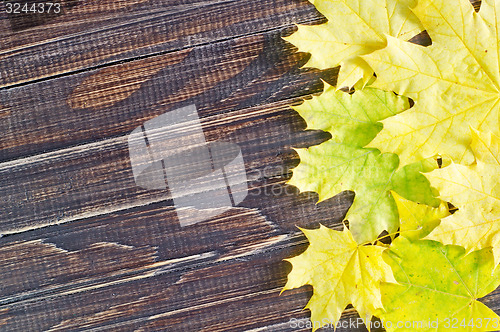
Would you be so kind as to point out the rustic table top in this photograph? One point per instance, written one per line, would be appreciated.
(83, 247)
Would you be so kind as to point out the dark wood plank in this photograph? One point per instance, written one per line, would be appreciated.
(91, 34)
(169, 296)
(105, 295)
(91, 179)
(74, 257)
(78, 177)
(157, 224)
(110, 102)
(96, 179)
(129, 304)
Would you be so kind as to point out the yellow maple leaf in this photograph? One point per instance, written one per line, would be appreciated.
(475, 190)
(455, 82)
(354, 27)
(341, 272)
(418, 220)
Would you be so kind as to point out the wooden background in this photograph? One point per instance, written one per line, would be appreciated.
(82, 247)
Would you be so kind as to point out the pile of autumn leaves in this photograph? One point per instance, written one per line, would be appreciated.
(405, 164)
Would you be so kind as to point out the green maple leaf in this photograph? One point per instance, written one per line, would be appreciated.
(475, 191)
(341, 272)
(438, 283)
(342, 164)
(455, 82)
(354, 28)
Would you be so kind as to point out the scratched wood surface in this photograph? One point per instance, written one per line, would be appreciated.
(83, 248)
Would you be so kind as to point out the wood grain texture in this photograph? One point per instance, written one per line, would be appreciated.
(169, 296)
(91, 34)
(97, 178)
(113, 84)
(42, 117)
(83, 247)
(76, 191)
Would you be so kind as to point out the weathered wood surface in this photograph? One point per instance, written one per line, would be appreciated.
(83, 247)
(91, 34)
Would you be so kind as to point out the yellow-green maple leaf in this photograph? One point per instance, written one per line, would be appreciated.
(341, 272)
(354, 27)
(475, 191)
(438, 287)
(343, 164)
(455, 82)
(418, 220)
